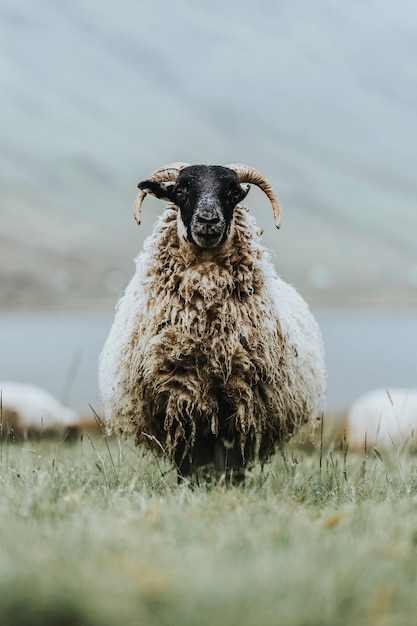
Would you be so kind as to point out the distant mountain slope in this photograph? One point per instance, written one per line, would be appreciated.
(321, 97)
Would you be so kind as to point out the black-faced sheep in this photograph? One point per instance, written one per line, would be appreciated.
(27, 411)
(211, 358)
(383, 419)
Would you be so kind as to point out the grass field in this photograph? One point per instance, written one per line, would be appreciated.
(97, 534)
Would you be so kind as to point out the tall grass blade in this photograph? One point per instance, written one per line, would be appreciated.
(1, 429)
(101, 466)
(321, 445)
(100, 424)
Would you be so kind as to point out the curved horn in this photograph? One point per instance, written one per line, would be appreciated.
(248, 174)
(165, 173)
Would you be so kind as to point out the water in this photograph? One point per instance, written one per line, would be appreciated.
(59, 351)
(368, 349)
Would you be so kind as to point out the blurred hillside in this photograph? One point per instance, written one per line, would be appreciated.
(321, 97)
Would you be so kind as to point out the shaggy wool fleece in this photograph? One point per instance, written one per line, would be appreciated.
(210, 344)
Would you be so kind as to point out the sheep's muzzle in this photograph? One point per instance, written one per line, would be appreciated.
(208, 226)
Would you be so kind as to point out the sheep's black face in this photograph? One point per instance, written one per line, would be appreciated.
(206, 196)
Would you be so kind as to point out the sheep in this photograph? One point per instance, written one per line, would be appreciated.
(382, 418)
(212, 359)
(27, 411)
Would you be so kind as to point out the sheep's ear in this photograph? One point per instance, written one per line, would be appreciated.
(161, 190)
(244, 187)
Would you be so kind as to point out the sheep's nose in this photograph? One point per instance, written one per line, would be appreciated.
(208, 219)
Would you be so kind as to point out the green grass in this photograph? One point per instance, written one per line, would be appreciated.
(97, 534)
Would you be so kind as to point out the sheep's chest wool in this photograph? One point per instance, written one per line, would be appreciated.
(204, 342)
(212, 358)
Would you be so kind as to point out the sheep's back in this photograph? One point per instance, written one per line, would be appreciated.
(29, 409)
(382, 418)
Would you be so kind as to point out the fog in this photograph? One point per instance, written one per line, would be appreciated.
(320, 97)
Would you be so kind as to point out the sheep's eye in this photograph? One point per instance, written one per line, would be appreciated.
(181, 191)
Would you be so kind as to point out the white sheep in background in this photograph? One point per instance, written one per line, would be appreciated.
(29, 411)
(383, 419)
(211, 358)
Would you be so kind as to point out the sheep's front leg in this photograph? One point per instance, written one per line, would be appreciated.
(228, 463)
(186, 473)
